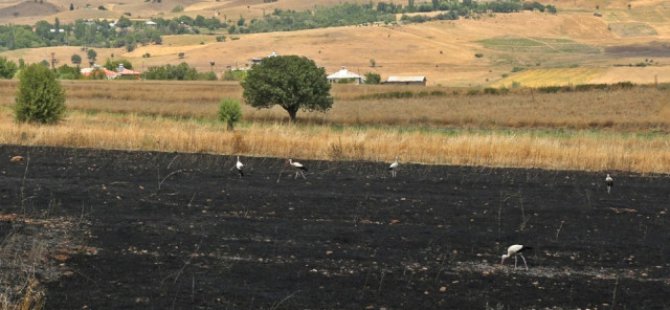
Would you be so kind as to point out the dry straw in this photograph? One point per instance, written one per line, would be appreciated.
(622, 129)
(580, 150)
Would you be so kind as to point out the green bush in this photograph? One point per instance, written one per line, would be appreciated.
(40, 97)
(372, 78)
(230, 112)
(7, 68)
(234, 75)
(206, 76)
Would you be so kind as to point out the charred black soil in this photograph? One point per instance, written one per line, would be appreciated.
(183, 231)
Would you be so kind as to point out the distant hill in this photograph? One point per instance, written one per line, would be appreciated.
(28, 9)
(528, 48)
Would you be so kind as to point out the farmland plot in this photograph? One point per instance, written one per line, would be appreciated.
(169, 230)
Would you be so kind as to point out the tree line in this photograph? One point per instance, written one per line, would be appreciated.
(10, 69)
(356, 14)
(102, 33)
(129, 34)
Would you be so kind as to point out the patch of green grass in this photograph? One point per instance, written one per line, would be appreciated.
(538, 45)
(632, 29)
(651, 14)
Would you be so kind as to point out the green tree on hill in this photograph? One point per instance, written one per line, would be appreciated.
(76, 59)
(292, 82)
(92, 55)
(7, 68)
(40, 97)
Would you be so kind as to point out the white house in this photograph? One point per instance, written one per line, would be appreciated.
(345, 75)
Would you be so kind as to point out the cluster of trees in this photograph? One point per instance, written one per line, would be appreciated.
(101, 33)
(454, 9)
(356, 14)
(503, 6)
(182, 72)
(338, 15)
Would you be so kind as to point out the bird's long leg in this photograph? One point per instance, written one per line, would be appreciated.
(303, 174)
(515, 259)
(609, 189)
(524, 261)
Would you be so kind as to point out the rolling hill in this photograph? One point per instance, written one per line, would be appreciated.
(529, 48)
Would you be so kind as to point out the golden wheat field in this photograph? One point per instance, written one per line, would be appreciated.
(624, 129)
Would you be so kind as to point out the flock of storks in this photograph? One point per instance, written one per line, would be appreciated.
(514, 250)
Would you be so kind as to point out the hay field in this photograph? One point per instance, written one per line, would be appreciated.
(580, 150)
(629, 110)
(593, 130)
(553, 76)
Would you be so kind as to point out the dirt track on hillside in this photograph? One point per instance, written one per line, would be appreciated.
(184, 231)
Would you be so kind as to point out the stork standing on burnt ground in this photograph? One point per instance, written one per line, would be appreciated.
(394, 167)
(515, 250)
(299, 168)
(609, 182)
(239, 166)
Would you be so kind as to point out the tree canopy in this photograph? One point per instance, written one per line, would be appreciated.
(292, 82)
(7, 68)
(40, 97)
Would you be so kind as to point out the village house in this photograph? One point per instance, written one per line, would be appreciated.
(345, 76)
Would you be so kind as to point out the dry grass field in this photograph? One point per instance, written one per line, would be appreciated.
(592, 130)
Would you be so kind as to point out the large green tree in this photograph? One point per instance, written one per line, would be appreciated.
(40, 97)
(292, 82)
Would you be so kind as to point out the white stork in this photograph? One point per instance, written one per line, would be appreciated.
(239, 166)
(609, 182)
(299, 168)
(515, 250)
(394, 167)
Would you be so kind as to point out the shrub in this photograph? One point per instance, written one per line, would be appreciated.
(372, 78)
(230, 112)
(207, 76)
(40, 97)
(221, 38)
(549, 89)
(479, 55)
(234, 75)
(76, 59)
(7, 68)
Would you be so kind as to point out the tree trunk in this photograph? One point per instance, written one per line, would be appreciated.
(292, 114)
(231, 126)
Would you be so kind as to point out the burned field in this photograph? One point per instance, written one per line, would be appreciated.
(161, 230)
